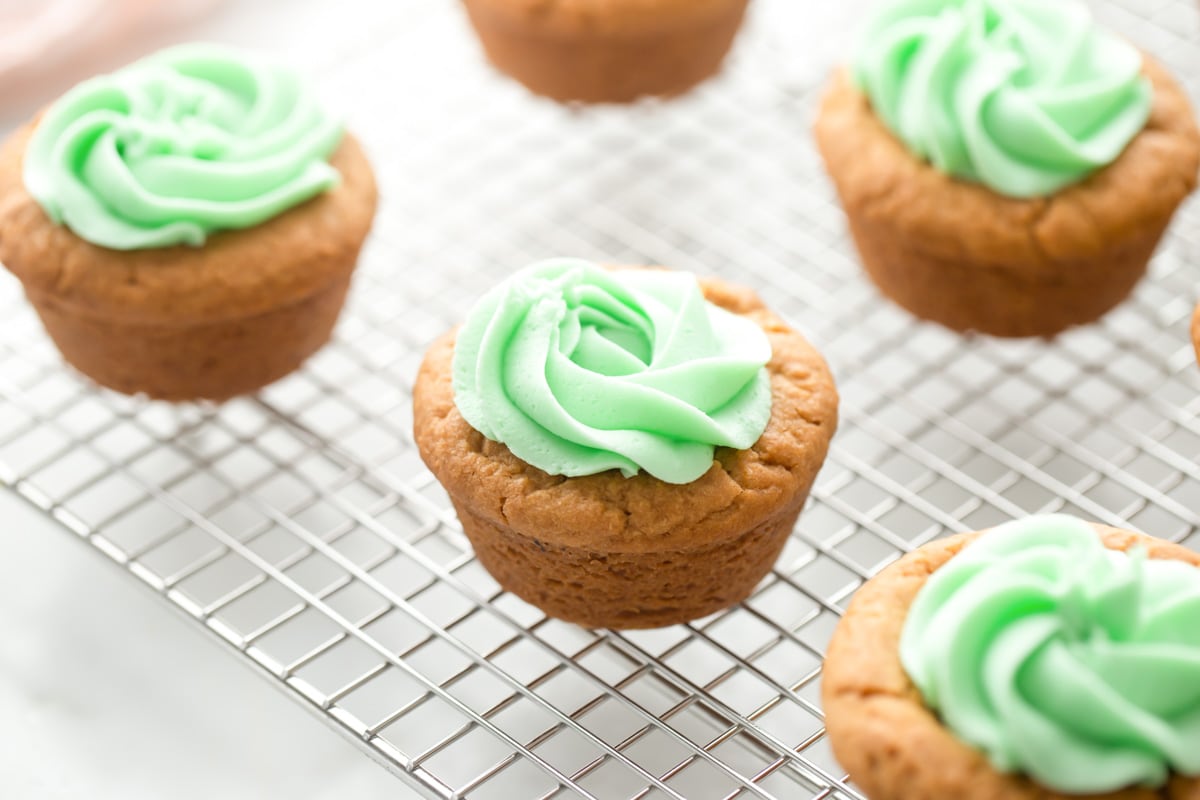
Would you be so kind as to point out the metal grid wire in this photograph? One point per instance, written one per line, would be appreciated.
(301, 529)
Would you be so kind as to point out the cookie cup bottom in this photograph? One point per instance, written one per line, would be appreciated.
(629, 590)
(585, 63)
(1000, 300)
(206, 360)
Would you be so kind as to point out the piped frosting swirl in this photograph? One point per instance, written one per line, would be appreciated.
(191, 140)
(1025, 96)
(1062, 659)
(579, 369)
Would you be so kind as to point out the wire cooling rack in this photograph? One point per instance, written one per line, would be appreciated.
(301, 529)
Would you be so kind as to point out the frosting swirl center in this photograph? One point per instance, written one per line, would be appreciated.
(1025, 96)
(189, 141)
(579, 370)
(1060, 658)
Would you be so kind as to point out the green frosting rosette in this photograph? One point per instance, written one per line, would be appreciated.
(189, 141)
(1025, 96)
(1062, 659)
(578, 370)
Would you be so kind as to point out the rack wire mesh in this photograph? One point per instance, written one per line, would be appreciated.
(300, 528)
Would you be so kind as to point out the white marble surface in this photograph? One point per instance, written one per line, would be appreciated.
(106, 693)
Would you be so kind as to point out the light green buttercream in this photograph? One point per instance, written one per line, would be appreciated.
(579, 370)
(1062, 659)
(1025, 96)
(192, 140)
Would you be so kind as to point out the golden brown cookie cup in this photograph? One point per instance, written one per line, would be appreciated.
(892, 746)
(189, 323)
(609, 551)
(1196, 331)
(613, 51)
(962, 255)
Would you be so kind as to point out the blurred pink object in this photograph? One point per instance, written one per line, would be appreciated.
(47, 45)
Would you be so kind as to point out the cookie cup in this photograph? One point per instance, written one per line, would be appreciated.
(892, 746)
(607, 51)
(608, 551)
(189, 323)
(960, 254)
(1196, 331)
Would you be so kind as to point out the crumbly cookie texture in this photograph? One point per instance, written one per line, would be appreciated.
(608, 551)
(191, 322)
(607, 50)
(892, 746)
(959, 254)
